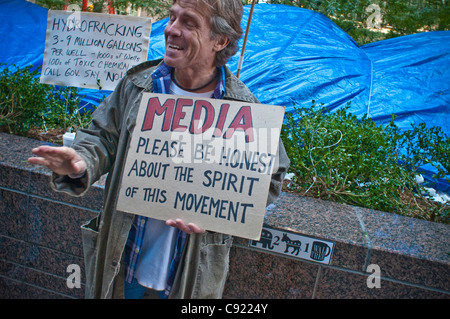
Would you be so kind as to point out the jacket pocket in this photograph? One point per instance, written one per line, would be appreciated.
(89, 234)
(213, 266)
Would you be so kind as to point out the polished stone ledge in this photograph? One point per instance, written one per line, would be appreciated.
(412, 255)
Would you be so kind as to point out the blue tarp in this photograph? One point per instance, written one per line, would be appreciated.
(294, 56)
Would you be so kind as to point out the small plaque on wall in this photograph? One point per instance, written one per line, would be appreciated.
(294, 245)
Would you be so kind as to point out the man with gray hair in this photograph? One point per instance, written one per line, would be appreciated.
(127, 255)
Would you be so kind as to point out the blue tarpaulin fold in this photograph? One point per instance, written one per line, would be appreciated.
(294, 56)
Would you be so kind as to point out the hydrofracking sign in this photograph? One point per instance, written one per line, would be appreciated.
(205, 161)
(92, 50)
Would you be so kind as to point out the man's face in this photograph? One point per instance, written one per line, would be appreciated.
(188, 37)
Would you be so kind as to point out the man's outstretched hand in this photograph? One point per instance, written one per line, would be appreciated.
(61, 160)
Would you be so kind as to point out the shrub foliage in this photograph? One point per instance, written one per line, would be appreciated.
(26, 104)
(336, 156)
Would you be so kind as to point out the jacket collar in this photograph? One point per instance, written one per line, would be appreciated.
(141, 76)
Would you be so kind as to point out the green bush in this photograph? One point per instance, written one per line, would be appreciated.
(26, 104)
(336, 156)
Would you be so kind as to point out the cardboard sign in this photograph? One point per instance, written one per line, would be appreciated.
(92, 50)
(205, 161)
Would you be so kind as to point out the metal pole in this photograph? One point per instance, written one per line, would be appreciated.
(241, 58)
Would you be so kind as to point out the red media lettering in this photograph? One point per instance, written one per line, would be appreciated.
(175, 111)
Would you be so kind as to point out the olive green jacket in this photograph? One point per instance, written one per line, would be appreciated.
(204, 266)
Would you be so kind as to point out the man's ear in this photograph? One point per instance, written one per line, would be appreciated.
(221, 43)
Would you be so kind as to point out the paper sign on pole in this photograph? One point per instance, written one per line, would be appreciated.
(92, 50)
(205, 161)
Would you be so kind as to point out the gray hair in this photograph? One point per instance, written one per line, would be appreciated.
(225, 19)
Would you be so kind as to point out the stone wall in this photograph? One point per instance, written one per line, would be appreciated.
(310, 248)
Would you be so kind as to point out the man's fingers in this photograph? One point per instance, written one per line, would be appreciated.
(191, 228)
(54, 152)
(182, 226)
(178, 224)
(195, 228)
(61, 160)
(38, 161)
